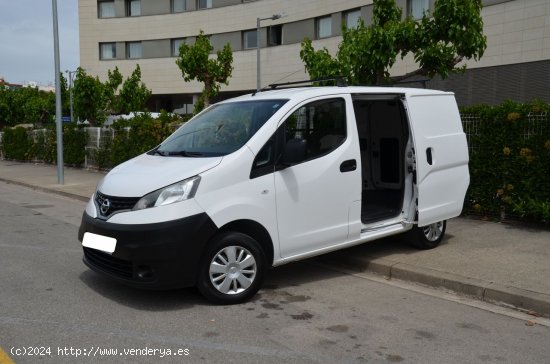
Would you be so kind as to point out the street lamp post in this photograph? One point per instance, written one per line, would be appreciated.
(258, 43)
(71, 75)
(59, 127)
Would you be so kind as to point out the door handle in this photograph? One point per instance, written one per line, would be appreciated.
(348, 166)
(429, 158)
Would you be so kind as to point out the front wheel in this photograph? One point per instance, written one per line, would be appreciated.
(429, 236)
(232, 269)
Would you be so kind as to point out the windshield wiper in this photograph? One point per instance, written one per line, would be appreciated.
(183, 153)
(156, 150)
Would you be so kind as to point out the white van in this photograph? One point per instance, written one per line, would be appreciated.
(273, 177)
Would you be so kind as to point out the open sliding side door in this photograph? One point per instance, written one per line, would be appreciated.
(442, 175)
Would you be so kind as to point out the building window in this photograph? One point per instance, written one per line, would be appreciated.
(107, 50)
(324, 27)
(178, 6)
(133, 7)
(417, 8)
(275, 35)
(250, 39)
(106, 9)
(351, 18)
(204, 4)
(133, 50)
(176, 44)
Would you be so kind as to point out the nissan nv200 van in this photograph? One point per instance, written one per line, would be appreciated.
(273, 177)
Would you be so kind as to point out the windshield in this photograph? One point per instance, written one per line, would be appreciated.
(220, 130)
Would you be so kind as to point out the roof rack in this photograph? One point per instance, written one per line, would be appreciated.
(424, 81)
(340, 82)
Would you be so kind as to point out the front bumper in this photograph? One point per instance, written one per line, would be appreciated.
(154, 256)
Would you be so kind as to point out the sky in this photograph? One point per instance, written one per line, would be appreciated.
(26, 39)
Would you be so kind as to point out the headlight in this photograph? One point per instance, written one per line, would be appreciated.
(174, 193)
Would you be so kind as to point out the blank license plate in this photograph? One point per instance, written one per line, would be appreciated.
(99, 242)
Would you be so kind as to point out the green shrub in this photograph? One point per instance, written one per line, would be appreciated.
(102, 155)
(17, 144)
(40, 145)
(44, 146)
(510, 163)
(144, 134)
(75, 139)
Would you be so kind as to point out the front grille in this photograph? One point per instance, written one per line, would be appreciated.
(108, 205)
(107, 263)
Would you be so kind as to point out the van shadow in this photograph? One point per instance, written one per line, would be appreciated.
(387, 247)
(277, 280)
(280, 280)
(140, 299)
(356, 258)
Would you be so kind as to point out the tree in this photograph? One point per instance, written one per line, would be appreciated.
(195, 64)
(134, 94)
(114, 80)
(26, 105)
(88, 98)
(94, 100)
(438, 43)
(65, 96)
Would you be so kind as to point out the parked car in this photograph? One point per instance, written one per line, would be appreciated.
(269, 178)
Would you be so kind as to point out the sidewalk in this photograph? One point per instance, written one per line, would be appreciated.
(79, 184)
(493, 262)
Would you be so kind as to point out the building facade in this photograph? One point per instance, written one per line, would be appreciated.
(124, 33)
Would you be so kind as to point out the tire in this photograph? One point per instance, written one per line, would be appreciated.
(429, 236)
(232, 269)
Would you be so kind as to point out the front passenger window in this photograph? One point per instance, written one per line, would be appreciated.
(322, 124)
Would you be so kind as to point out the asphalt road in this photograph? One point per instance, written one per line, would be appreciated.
(52, 305)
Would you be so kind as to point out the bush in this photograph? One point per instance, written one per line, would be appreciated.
(102, 155)
(44, 146)
(139, 135)
(20, 144)
(75, 139)
(16, 144)
(510, 162)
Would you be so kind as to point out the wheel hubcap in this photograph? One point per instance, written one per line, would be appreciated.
(232, 270)
(433, 232)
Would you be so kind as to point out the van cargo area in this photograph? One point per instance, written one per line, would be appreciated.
(383, 135)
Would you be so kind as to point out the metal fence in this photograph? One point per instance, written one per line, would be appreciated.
(101, 137)
(98, 138)
(537, 124)
(470, 124)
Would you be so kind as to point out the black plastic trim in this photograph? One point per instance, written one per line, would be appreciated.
(169, 251)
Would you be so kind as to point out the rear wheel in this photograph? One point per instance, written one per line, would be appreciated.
(232, 269)
(429, 236)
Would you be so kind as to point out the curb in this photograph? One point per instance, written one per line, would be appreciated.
(45, 189)
(524, 300)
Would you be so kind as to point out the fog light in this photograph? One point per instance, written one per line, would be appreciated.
(145, 272)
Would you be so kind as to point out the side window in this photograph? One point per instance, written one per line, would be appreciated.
(264, 163)
(321, 124)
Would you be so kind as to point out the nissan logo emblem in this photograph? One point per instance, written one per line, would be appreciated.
(105, 206)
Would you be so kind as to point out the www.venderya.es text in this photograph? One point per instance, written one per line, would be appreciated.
(95, 351)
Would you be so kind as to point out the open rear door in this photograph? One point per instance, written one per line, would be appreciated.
(442, 176)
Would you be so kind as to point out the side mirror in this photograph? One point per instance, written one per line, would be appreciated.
(294, 152)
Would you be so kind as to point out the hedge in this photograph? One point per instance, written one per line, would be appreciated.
(40, 145)
(509, 154)
(133, 137)
(510, 161)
